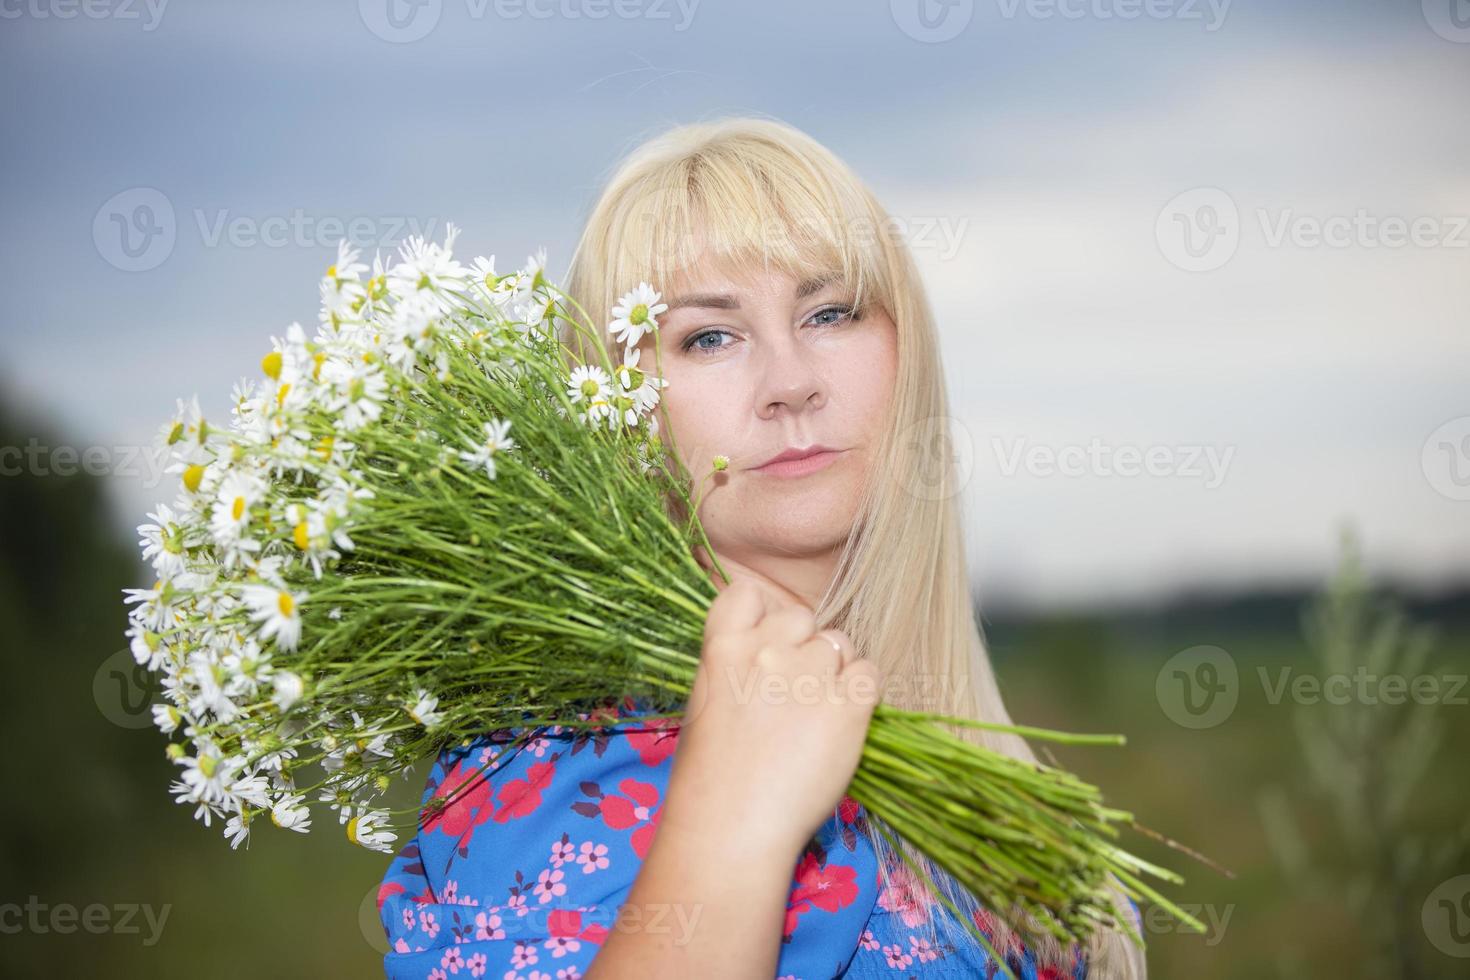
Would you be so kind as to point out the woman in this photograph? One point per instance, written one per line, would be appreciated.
(798, 345)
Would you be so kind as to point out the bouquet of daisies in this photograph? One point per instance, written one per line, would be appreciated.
(429, 519)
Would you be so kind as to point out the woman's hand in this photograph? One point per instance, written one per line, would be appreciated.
(774, 727)
(771, 736)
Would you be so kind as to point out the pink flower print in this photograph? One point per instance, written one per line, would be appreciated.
(897, 958)
(549, 885)
(593, 857)
(868, 942)
(562, 851)
(409, 918)
(452, 959)
(447, 893)
(437, 974)
(569, 973)
(561, 946)
(428, 924)
(488, 755)
(488, 926)
(476, 965)
(524, 955)
(538, 746)
(922, 950)
(518, 902)
(907, 896)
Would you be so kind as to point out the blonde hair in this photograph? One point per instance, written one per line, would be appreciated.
(758, 190)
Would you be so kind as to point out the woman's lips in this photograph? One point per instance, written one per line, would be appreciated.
(803, 466)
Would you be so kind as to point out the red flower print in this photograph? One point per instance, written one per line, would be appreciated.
(847, 810)
(656, 741)
(520, 797)
(827, 886)
(469, 807)
(566, 924)
(637, 807)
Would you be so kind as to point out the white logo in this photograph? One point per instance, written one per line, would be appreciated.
(1450, 19)
(1199, 230)
(1446, 458)
(932, 21)
(400, 21)
(135, 229)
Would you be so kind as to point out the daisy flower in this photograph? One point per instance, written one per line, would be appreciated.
(359, 391)
(588, 383)
(635, 313)
(427, 267)
(291, 813)
(277, 610)
(287, 687)
(423, 709)
(231, 516)
(367, 829)
(642, 388)
(496, 440)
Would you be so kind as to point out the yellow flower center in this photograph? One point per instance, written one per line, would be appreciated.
(285, 603)
(237, 509)
(193, 476)
(271, 365)
(639, 314)
(176, 433)
(298, 534)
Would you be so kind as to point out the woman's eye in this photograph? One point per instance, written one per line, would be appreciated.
(697, 341)
(838, 314)
(707, 340)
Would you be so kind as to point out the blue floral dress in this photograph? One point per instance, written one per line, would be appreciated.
(520, 875)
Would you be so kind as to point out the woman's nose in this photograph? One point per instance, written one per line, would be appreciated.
(789, 381)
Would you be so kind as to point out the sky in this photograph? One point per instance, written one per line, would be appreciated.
(1201, 269)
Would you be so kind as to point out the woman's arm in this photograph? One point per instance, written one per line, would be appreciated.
(691, 915)
(771, 737)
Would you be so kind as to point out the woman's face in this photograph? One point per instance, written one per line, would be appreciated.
(759, 363)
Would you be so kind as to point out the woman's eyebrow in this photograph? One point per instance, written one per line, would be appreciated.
(724, 301)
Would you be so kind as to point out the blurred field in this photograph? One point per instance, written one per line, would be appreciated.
(87, 820)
